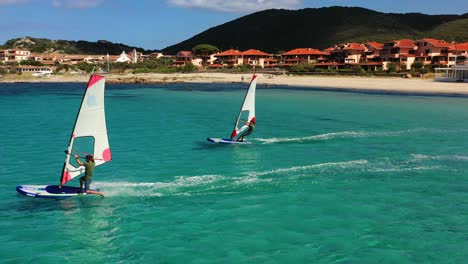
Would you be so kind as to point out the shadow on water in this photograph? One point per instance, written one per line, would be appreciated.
(29, 205)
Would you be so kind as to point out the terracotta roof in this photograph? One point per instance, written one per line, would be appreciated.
(404, 43)
(184, 53)
(435, 42)
(252, 52)
(304, 51)
(375, 44)
(459, 46)
(353, 46)
(231, 52)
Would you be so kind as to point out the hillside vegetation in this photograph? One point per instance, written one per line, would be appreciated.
(452, 31)
(281, 30)
(42, 45)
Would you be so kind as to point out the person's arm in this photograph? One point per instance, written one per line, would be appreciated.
(78, 160)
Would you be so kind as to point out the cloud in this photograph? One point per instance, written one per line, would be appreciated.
(12, 2)
(76, 3)
(236, 6)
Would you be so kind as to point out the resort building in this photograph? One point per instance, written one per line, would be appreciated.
(303, 55)
(349, 53)
(401, 52)
(229, 58)
(14, 55)
(32, 69)
(432, 51)
(155, 55)
(458, 54)
(182, 58)
(371, 60)
(256, 58)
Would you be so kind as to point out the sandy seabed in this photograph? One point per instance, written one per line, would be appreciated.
(337, 83)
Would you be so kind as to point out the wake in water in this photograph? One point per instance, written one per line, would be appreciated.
(225, 184)
(354, 134)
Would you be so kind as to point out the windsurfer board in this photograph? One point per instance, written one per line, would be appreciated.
(227, 141)
(49, 191)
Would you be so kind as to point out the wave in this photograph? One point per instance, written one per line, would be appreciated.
(157, 189)
(341, 165)
(216, 184)
(423, 157)
(353, 134)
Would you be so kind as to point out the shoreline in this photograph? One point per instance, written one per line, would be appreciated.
(390, 85)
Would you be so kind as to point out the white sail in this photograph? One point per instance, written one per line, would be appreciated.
(91, 124)
(247, 111)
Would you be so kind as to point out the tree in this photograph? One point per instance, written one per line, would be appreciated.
(391, 67)
(418, 67)
(204, 51)
(31, 62)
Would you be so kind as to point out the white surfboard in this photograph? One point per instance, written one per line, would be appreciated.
(49, 191)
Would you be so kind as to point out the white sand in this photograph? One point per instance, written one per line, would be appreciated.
(376, 84)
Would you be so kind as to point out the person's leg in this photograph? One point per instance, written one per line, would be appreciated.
(81, 184)
(88, 191)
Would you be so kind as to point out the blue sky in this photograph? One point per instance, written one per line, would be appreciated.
(156, 24)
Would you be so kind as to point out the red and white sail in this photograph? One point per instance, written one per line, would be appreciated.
(247, 112)
(90, 123)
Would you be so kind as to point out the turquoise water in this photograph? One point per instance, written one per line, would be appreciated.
(330, 177)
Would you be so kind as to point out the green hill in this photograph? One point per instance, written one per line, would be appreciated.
(281, 30)
(451, 31)
(41, 45)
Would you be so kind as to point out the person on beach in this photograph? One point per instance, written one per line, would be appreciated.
(249, 131)
(87, 178)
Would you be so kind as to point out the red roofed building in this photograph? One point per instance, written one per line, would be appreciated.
(372, 52)
(371, 59)
(432, 51)
(401, 52)
(349, 53)
(303, 55)
(182, 58)
(458, 53)
(258, 58)
(230, 58)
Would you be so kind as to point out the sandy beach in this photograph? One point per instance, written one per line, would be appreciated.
(341, 83)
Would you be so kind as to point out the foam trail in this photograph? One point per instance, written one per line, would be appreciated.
(342, 165)
(422, 157)
(158, 189)
(354, 134)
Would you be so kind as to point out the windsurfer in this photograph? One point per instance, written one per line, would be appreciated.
(249, 131)
(87, 178)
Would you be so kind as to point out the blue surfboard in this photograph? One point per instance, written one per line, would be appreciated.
(227, 141)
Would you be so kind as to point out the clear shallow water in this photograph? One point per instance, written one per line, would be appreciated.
(330, 178)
